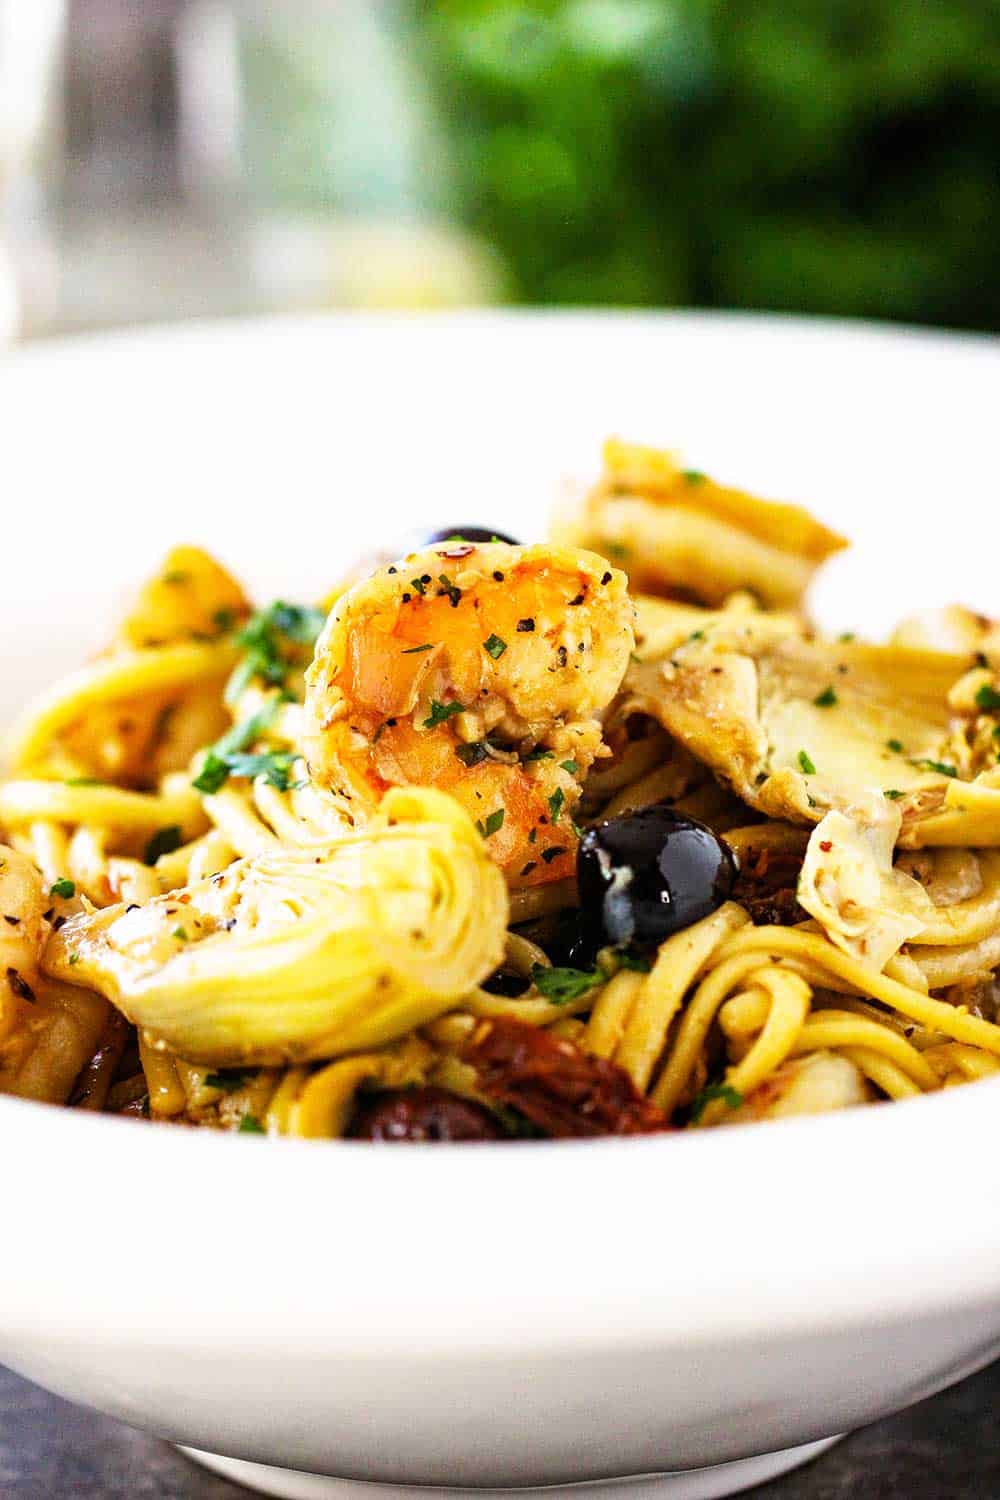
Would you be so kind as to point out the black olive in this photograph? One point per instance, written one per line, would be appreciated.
(466, 534)
(427, 1114)
(506, 982)
(647, 875)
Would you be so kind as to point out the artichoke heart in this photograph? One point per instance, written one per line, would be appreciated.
(849, 884)
(295, 955)
(797, 726)
(678, 532)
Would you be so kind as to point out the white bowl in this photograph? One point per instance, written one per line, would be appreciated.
(527, 1314)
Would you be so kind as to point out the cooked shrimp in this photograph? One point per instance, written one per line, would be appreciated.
(479, 670)
(23, 930)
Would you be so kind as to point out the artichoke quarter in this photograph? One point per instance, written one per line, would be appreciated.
(297, 954)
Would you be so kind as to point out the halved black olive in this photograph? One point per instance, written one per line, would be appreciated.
(459, 534)
(423, 1114)
(645, 876)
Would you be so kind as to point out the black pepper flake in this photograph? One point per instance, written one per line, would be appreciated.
(525, 626)
(14, 921)
(531, 865)
(578, 600)
(134, 905)
(391, 570)
(498, 575)
(606, 578)
(562, 655)
(550, 854)
(59, 922)
(20, 987)
(407, 598)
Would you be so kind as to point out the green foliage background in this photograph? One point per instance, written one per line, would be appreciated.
(830, 156)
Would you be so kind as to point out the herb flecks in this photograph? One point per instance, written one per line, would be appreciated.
(491, 825)
(805, 763)
(494, 647)
(64, 888)
(988, 699)
(938, 766)
(164, 841)
(267, 637)
(724, 1092)
(441, 712)
(826, 699)
(562, 985)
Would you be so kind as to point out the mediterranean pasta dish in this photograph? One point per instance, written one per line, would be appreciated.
(598, 835)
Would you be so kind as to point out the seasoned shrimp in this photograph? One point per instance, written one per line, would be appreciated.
(23, 930)
(480, 670)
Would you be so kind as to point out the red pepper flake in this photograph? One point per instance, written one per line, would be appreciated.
(826, 846)
(462, 550)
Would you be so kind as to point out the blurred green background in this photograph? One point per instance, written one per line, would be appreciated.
(231, 156)
(841, 157)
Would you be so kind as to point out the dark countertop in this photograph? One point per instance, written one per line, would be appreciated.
(944, 1449)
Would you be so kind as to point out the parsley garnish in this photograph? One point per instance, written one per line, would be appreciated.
(826, 699)
(64, 888)
(419, 585)
(570, 766)
(634, 961)
(226, 758)
(164, 841)
(537, 754)
(447, 587)
(441, 712)
(179, 934)
(556, 803)
(562, 985)
(250, 1125)
(847, 635)
(227, 1079)
(893, 793)
(711, 1091)
(84, 781)
(413, 650)
(553, 852)
(806, 764)
(988, 699)
(492, 824)
(74, 958)
(263, 637)
(895, 745)
(224, 620)
(175, 577)
(494, 647)
(934, 765)
(693, 476)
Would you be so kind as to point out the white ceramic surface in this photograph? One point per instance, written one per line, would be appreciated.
(529, 1314)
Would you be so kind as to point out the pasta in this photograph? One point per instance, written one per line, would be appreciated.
(592, 836)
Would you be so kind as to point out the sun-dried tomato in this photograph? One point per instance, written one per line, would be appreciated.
(766, 886)
(423, 1115)
(556, 1085)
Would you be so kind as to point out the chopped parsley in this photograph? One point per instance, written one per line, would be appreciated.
(537, 754)
(84, 781)
(227, 758)
(633, 961)
(227, 1079)
(64, 888)
(494, 647)
(552, 853)
(164, 841)
(826, 699)
(693, 476)
(805, 763)
(492, 824)
(570, 766)
(441, 712)
(893, 793)
(180, 934)
(696, 635)
(616, 549)
(224, 620)
(419, 585)
(447, 587)
(896, 746)
(988, 699)
(413, 650)
(847, 635)
(264, 638)
(250, 1125)
(934, 765)
(563, 985)
(712, 1091)
(74, 958)
(556, 804)
(176, 576)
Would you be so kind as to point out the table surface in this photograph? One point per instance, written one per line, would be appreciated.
(944, 1449)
